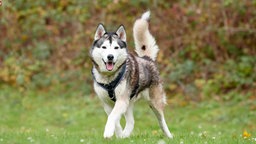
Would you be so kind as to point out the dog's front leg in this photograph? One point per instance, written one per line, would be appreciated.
(114, 117)
(118, 129)
(129, 121)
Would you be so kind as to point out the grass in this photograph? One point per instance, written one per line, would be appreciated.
(70, 117)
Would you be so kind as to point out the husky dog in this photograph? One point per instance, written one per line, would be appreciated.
(121, 78)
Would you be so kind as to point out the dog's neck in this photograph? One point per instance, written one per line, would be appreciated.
(106, 78)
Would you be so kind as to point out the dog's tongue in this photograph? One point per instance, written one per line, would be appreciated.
(109, 66)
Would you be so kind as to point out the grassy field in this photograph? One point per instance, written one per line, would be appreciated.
(55, 117)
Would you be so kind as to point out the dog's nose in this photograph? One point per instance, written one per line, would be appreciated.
(110, 57)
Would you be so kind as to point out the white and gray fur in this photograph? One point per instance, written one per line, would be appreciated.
(140, 78)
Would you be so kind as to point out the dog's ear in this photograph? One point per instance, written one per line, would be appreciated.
(121, 33)
(99, 32)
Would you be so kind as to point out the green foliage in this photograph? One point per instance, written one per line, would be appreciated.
(241, 73)
(238, 74)
(205, 47)
(182, 71)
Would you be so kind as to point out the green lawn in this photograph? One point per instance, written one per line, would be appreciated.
(70, 117)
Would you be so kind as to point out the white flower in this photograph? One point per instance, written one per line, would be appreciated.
(192, 133)
(81, 140)
(200, 134)
(30, 139)
(161, 142)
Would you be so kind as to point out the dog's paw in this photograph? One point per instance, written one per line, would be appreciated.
(126, 134)
(170, 136)
(119, 135)
(108, 135)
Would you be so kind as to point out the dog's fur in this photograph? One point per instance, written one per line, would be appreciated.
(121, 78)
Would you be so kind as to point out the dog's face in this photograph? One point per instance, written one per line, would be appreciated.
(109, 50)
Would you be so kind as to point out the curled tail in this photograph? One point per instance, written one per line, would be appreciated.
(145, 44)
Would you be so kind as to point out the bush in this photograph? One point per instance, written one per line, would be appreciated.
(206, 47)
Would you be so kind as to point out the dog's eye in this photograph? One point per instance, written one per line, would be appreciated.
(104, 47)
(116, 47)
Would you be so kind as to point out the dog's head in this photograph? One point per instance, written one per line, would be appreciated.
(109, 49)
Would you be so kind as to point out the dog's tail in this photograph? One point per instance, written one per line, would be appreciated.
(145, 44)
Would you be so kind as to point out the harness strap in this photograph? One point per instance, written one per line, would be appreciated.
(110, 88)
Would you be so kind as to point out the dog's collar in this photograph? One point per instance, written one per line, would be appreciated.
(110, 87)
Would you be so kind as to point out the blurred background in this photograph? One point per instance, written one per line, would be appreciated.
(207, 48)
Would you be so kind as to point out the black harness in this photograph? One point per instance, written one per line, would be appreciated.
(110, 88)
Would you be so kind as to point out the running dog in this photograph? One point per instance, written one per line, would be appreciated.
(121, 78)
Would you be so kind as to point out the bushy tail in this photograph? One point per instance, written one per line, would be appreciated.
(145, 44)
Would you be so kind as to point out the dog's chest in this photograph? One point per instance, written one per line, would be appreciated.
(120, 91)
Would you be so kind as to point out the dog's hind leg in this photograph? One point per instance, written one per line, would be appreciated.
(157, 103)
(129, 121)
(118, 127)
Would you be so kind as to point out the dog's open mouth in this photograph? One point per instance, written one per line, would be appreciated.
(109, 65)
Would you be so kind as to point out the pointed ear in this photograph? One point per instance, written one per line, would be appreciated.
(99, 32)
(121, 33)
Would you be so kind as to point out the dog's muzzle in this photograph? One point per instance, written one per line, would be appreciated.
(109, 64)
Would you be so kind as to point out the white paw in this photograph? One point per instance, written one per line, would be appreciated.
(108, 134)
(109, 129)
(118, 131)
(119, 134)
(125, 134)
(170, 136)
